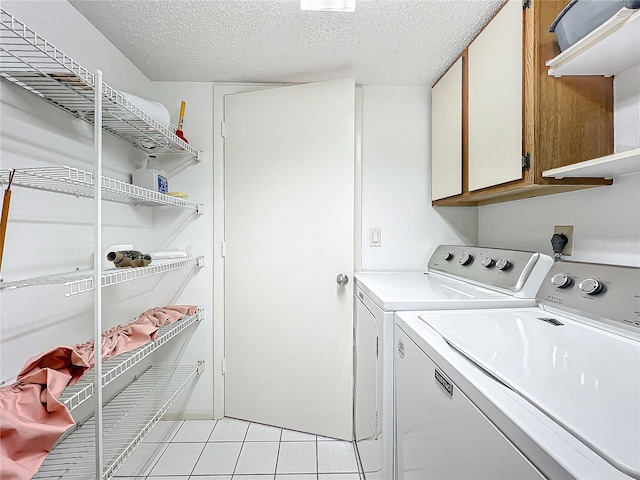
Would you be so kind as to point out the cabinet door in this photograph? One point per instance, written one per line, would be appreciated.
(446, 134)
(495, 100)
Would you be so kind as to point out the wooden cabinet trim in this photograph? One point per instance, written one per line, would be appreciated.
(565, 120)
(465, 121)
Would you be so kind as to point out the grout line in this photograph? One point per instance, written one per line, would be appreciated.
(166, 446)
(215, 422)
(176, 432)
(275, 473)
(203, 447)
(317, 461)
(241, 448)
(164, 450)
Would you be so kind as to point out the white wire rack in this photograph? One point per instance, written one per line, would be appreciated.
(75, 395)
(72, 181)
(31, 62)
(82, 281)
(127, 419)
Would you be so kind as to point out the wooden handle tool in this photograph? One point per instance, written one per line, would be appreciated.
(179, 133)
(5, 215)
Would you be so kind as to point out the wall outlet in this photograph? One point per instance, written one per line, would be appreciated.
(568, 231)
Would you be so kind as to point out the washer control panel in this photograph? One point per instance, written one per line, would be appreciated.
(608, 293)
(494, 267)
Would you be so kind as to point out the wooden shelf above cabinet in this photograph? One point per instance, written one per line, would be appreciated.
(564, 120)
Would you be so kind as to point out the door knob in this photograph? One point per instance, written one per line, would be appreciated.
(342, 279)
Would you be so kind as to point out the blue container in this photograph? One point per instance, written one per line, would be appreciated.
(581, 17)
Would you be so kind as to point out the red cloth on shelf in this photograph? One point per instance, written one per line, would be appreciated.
(31, 417)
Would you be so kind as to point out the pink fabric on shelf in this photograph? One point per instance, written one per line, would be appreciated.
(62, 359)
(28, 431)
(31, 417)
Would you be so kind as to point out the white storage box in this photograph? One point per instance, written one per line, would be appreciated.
(151, 178)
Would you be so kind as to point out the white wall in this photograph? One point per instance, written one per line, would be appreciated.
(172, 230)
(396, 183)
(606, 219)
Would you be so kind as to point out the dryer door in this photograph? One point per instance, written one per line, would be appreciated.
(368, 384)
(366, 371)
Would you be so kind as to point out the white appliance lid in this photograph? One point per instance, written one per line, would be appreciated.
(586, 379)
(395, 291)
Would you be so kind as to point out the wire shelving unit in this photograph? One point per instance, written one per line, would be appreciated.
(31, 62)
(100, 445)
(127, 419)
(79, 183)
(77, 394)
(82, 281)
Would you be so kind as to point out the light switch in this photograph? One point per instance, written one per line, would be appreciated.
(374, 237)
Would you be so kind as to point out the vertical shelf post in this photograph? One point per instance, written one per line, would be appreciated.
(97, 271)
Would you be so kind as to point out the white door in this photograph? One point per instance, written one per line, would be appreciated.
(289, 232)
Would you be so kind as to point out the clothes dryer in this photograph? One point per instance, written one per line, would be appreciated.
(458, 277)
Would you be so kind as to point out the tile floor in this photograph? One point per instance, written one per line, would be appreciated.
(234, 449)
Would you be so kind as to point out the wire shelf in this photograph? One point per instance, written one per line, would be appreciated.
(82, 281)
(72, 181)
(127, 419)
(77, 394)
(31, 62)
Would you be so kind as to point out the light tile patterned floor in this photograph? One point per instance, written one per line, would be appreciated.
(234, 449)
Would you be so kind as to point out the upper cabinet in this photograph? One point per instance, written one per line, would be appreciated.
(517, 121)
(495, 100)
(446, 134)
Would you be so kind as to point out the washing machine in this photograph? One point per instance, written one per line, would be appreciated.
(529, 393)
(458, 277)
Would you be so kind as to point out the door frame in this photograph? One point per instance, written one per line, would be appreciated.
(219, 92)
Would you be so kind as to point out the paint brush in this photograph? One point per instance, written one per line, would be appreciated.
(5, 215)
(181, 121)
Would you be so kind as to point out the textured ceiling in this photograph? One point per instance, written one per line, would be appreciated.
(385, 42)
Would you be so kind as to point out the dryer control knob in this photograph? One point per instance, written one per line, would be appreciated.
(466, 259)
(448, 256)
(488, 262)
(561, 280)
(503, 264)
(590, 286)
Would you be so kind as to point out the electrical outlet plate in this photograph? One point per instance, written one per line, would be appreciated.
(568, 231)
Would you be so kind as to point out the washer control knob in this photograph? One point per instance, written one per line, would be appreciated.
(466, 259)
(488, 262)
(590, 286)
(561, 280)
(448, 256)
(503, 264)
